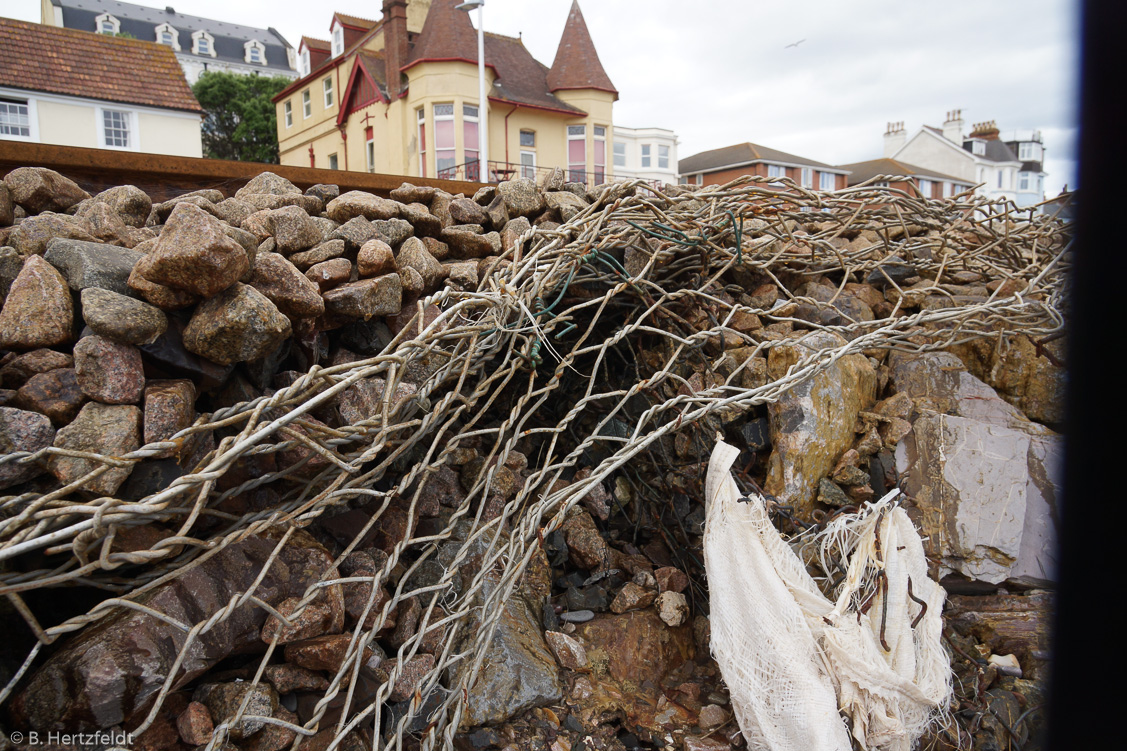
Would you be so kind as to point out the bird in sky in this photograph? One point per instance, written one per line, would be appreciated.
(800, 41)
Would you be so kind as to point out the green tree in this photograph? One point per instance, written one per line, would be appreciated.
(241, 122)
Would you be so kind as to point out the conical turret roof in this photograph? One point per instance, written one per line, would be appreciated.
(577, 64)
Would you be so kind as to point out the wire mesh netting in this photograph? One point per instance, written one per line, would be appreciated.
(620, 342)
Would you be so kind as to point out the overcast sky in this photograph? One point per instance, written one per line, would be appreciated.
(719, 72)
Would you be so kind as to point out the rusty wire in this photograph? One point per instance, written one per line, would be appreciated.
(541, 331)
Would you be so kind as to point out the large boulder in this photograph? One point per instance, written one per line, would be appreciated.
(122, 318)
(38, 311)
(109, 372)
(109, 429)
(32, 235)
(130, 202)
(194, 254)
(281, 282)
(89, 264)
(39, 189)
(812, 424)
(21, 430)
(114, 669)
(356, 203)
(521, 197)
(236, 325)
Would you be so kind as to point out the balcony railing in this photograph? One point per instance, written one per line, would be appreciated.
(500, 171)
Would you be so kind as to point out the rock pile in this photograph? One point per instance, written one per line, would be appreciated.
(353, 462)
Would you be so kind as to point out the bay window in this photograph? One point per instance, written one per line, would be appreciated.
(445, 158)
(470, 142)
(577, 153)
(600, 160)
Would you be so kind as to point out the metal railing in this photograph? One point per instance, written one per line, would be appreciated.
(500, 171)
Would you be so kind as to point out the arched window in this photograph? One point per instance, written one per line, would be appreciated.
(107, 24)
(255, 52)
(203, 44)
(167, 35)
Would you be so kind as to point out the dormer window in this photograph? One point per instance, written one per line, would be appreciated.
(978, 148)
(203, 44)
(168, 36)
(107, 24)
(255, 52)
(304, 67)
(338, 40)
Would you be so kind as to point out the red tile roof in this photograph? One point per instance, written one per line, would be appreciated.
(316, 44)
(360, 23)
(521, 79)
(741, 154)
(92, 66)
(577, 63)
(447, 35)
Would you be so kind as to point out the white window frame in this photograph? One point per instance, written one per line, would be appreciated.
(303, 67)
(619, 153)
(647, 159)
(827, 181)
(327, 90)
(131, 121)
(254, 44)
(106, 17)
(1025, 151)
(775, 171)
(306, 105)
(287, 109)
(662, 147)
(925, 186)
(807, 175)
(528, 170)
(881, 184)
(421, 135)
(1000, 172)
(167, 27)
(599, 134)
(1023, 181)
(950, 189)
(197, 37)
(471, 114)
(337, 39)
(700, 179)
(32, 120)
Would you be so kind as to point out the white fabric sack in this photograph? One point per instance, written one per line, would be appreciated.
(792, 658)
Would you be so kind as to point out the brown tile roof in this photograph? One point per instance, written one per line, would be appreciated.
(577, 63)
(317, 44)
(744, 153)
(521, 79)
(92, 66)
(362, 23)
(862, 171)
(447, 35)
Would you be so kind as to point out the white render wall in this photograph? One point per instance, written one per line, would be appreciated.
(925, 150)
(71, 121)
(633, 138)
(193, 66)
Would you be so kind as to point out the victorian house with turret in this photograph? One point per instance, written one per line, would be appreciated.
(400, 96)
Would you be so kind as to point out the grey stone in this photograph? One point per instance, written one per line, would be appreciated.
(268, 183)
(355, 232)
(380, 296)
(408, 193)
(356, 203)
(568, 204)
(293, 230)
(120, 318)
(465, 211)
(413, 255)
(521, 197)
(130, 202)
(89, 264)
(10, 264)
(468, 244)
(112, 430)
(324, 252)
(324, 192)
(392, 231)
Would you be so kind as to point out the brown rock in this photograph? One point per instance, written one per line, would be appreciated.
(414, 670)
(268, 183)
(413, 254)
(375, 258)
(120, 318)
(22, 431)
(162, 297)
(194, 724)
(109, 372)
(194, 254)
(112, 430)
(289, 678)
(467, 244)
(320, 653)
(290, 290)
(364, 563)
(713, 716)
(356, 203)
(275, 737)
(462, 275)
(38, 311)
(39, 189)
(512, 232)
(55, 393)
(465, 211)
(422, 221)
(670, 579)
(7, 214)
(169, 408)
(237, 325)
(293, 230)
(413, 284)
(632, 597)
(521, 197)
(22, 367)
(325, 251)
(381, 296)
(437, 248)
(408, 193)
(569, 653)
(586, 545)
(34, 234)
(317, 618)
(329, 274)
(131, 204)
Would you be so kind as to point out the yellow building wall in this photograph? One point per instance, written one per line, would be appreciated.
(599, 106)
(68, 124)
(319, 129)
(431, 84)
(175, 136)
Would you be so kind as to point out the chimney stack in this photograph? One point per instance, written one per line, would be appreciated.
(953, 127)
(987, 131)
(894, 138)
(395, 42)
